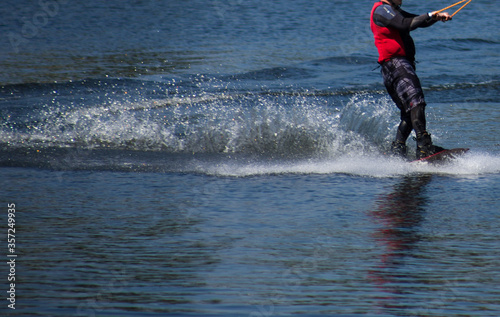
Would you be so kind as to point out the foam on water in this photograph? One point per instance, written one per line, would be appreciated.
(473, 164)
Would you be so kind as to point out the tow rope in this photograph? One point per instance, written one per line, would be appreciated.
(459, 2)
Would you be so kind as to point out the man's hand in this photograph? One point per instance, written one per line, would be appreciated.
(441, 16)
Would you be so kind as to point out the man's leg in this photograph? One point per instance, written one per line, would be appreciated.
(424, 141)
(405, 127)
(398, 147)
(409, 91)
(390, 75)
(417, 115)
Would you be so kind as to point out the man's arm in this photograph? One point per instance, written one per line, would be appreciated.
(387, 16)
(428, 19)
(422, 21)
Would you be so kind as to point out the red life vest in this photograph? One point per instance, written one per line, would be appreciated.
(387, 40)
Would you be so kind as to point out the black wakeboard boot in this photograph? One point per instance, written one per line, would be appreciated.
(398, 149)
(425, 147)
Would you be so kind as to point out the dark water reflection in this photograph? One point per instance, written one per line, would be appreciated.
(400, 213)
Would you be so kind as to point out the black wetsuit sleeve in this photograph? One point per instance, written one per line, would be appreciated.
(387, 16)
(421, 21)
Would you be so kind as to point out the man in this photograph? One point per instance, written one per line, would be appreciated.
(391, 28)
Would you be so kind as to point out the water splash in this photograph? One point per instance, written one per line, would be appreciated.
(259, 123)
(227, 133)
(471, 165)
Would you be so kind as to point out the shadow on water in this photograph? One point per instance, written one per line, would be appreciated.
(400, 213)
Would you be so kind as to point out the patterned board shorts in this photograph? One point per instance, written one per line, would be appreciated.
(402, 83)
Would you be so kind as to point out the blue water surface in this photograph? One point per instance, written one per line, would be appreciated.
(228, 158)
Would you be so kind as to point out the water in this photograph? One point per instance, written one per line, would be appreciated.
(193, 158)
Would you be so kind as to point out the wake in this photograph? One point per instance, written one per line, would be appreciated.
(471, 164)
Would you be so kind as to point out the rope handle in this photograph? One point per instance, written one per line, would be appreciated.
(459, 2)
